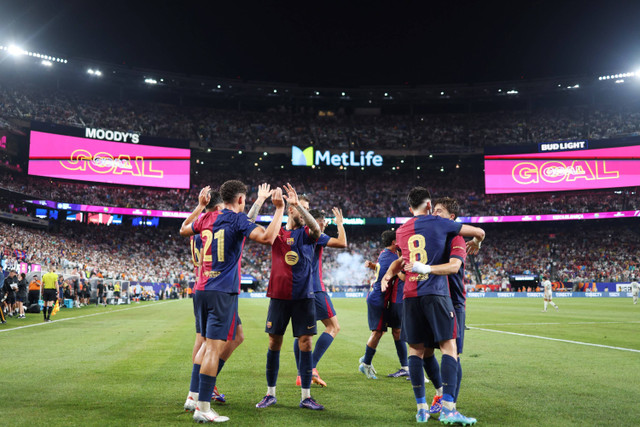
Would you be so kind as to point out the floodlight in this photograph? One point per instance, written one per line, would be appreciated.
(46, 63)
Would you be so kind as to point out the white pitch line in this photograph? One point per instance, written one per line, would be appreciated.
(560, 340)
(86, 315)
(554, 323)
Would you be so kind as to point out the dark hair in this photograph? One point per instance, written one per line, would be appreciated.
(317, 213)
(417, 196)
(216, 199)
(388, 237)
(232, 189)
(303, 196)
(449, 204)
(23, 275)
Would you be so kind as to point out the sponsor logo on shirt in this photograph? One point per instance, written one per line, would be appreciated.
(291, 258)
(212, 274)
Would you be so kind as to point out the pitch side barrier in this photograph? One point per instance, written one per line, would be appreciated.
(478, 294)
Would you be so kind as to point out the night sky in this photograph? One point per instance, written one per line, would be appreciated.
(343, 43)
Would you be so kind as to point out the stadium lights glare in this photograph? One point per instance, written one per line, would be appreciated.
(512, 92)
(46, 63)
(344, 94)
(620, 81)
(620, 75)
(151, 81)
(18, 51)
(94, 72)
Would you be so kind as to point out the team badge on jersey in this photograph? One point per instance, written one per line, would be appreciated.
(291, 258)
(290, 241)
(269, 324)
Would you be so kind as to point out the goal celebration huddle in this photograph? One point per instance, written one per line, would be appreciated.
(417, 291)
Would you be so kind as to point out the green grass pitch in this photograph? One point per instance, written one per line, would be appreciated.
(130, 365)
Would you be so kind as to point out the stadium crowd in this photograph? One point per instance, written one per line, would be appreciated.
(284, 126)
(379, 195)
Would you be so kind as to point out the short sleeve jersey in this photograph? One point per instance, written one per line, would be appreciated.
(318, 284)
(547, 287)
(634, 287)
(424, 238)
(50, 279)
(458, 249)
(196, 247)
(376, 296)
(397, 292)
(223, 234)
(292, 256)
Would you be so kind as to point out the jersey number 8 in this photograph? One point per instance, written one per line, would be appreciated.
(417, 250)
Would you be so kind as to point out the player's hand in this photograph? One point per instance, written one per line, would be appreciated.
(473, 247)
(204, 197)
(369, 264)
(276, 198)
(384, 283)
(264, 191)
(292, 196)
(408, 267)
(337, 212)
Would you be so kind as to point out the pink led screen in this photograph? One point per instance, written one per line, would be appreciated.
(70, 157)
(563, 171)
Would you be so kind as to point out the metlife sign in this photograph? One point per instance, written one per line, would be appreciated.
(310, 157)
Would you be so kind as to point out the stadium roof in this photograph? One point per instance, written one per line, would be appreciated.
(337, 44)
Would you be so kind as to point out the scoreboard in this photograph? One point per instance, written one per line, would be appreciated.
(563, 166)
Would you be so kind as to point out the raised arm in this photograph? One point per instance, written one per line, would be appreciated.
(264, 192)
(203, 200)
(268, 236)
(341, 240)
(309, 220)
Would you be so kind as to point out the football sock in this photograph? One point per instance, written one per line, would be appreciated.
(553, 304)
(417, 379)
(368, 355)
(44, 313)
(306, 360)
(449, 372)
(455, 396)
(203, 406)
(545, 305)
(207, 383)
(195, 379)
(296, 354)
(322, 345)
(401, 349)
(220, 366)
(271, 391)
(432, 369)
(273, 365)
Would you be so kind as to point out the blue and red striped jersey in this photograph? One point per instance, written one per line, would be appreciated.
(222, 233)
(318, 284)
(397, 292)
(424, 238)
(291, 265)
(196, 247)
(376, 296)
(458, 249)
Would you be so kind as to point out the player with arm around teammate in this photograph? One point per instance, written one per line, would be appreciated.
(447, 208)
(223, 234)
(429, 318)
(292, 298)
(324, 307)
(548, 294)
(215, 204)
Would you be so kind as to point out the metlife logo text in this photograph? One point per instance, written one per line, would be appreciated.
(310, 157)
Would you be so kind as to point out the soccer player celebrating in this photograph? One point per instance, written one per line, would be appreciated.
(219, 284)
(378, 302)
(215, 204)
(324, 307)
(548, 294)
(428, 317)
(291, 292)
(447, 208)
(634, 290)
